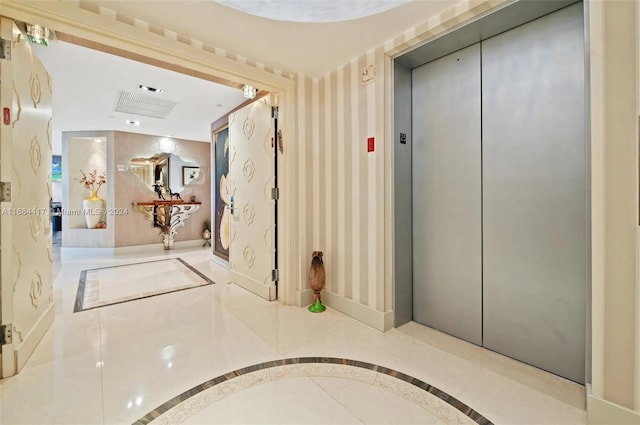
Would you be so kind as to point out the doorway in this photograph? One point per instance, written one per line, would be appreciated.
(498, 193)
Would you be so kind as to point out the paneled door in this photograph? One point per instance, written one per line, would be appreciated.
(251, 179)
(26, 290)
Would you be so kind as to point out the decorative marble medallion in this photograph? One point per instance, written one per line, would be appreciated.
(446, 408)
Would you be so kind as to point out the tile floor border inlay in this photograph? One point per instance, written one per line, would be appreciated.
(79, 303)
(442, 396)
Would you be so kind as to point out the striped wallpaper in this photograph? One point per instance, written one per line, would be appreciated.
(342, 186)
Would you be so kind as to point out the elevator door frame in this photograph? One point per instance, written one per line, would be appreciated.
(487, 26)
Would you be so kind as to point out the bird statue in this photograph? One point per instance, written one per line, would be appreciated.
(316, 281)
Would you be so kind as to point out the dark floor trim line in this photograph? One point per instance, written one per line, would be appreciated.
(78, 306)
(454, 402)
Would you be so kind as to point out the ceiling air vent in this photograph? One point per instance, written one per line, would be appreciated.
(139, 104)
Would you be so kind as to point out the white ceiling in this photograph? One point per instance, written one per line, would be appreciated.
(86, 82)
(86, 85)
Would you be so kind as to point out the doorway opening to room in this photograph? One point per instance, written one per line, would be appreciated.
(148, 89)
(117, 150)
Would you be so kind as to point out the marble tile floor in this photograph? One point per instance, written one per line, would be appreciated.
(109, 285)
(118, 363)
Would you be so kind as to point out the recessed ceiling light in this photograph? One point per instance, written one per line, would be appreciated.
(132, 122)
(97, 140)
(151, 89)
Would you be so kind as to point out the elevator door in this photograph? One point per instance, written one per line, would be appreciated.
(499, 193)
(446, 195)
(534, 193)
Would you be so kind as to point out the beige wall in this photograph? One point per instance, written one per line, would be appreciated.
(614, 148)
(125, 226)
(342, 186)
(132, 228)
(621, 213)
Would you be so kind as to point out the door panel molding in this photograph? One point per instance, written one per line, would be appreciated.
(251, 177)
(25, 229)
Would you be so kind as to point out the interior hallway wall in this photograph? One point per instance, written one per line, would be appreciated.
(613, 35)
(131, 227)
(345, 191)
(343, 184)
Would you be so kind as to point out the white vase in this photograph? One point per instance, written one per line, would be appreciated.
(93, 208)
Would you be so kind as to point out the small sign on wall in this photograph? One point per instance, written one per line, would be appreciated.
(368, 74)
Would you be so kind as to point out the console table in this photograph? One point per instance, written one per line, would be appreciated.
(167, 215)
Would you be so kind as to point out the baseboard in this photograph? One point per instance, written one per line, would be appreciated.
(603, 412)
(156, 247)
(304, 298)
(219, 261)
(30, 342)
(67, 252)
(383, 321)
(268, 292)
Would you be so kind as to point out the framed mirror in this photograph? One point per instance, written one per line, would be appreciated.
(169, 172)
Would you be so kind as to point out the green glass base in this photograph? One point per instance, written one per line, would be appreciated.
(317, 307)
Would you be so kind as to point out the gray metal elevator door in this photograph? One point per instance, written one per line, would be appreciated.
(534, 193)
(447, 194)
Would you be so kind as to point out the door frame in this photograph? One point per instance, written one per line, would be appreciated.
(107, 34)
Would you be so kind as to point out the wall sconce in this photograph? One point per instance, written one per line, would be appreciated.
(249, 91)
(38, 35)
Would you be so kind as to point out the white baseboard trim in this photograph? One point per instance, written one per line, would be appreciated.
(304, 298)
(268, 292)
(603, 412)
(24, 350)
(67, 252)
(383, 321)
(156, 247)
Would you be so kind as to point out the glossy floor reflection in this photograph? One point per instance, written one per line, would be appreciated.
(115, 364)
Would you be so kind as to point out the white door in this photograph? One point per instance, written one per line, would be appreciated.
(251, 178)
(26, 290)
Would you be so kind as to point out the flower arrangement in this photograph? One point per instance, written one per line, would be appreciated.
(93, 181)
